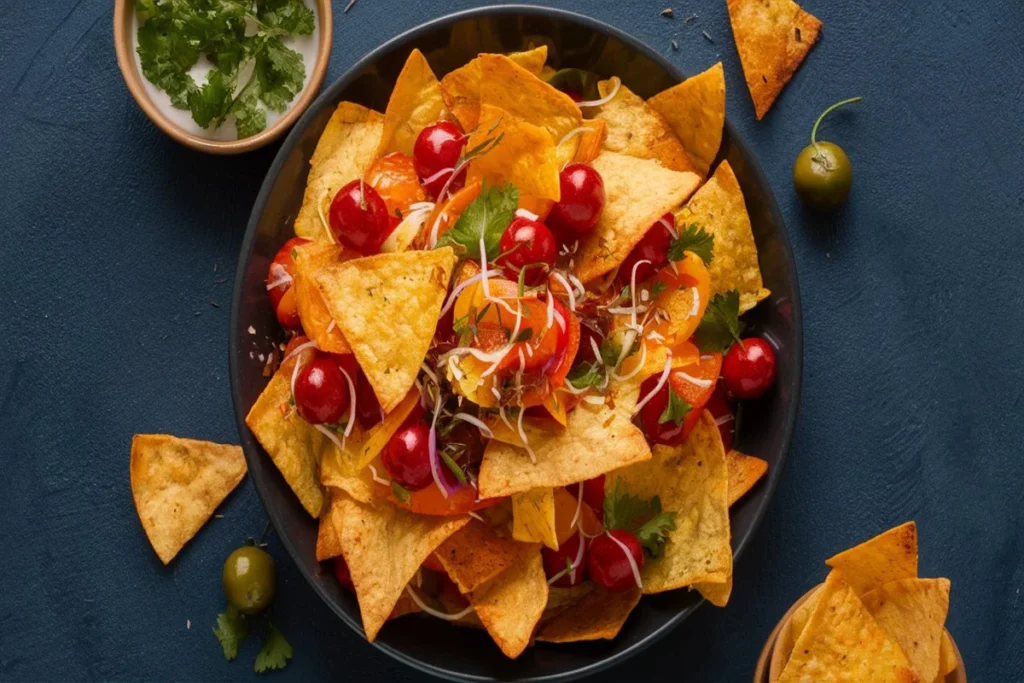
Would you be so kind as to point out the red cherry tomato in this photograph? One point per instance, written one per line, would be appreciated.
(718, 406)
(437, 149)
(406, 456)
(556, 561)
(593, 495)
(527, 242)
(669, 432)
(586, 351)
(282, 265)
(574, 95)
(749, 368)
(342, 574)
(368, 411)
(609, 566)
(582, 198)
(359, 218)
(321, 392)
(653, 247)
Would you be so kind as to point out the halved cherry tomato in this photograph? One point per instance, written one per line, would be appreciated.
(719, 407)
(282, 268)
(690, 382)
(679, 283)
(394, 177)
(429, 501)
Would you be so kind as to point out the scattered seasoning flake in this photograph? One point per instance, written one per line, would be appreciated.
(675, 44)
(799, 39)
(348, 6)
(252, 330)
(219, 516)
(262, 358)
(667, 12)
(251, 355)
(188, 623)
(708, 36)
(222, 280)
(215, 304)
(690, 19)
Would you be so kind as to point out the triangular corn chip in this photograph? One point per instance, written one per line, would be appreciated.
(912, 612)
(691, 480)
(384, 546)
(328, 544)
(475, 555)
(599, 615)
(631, 208)
(637, 130)
(533, 517)
(316, 319)
(461, 87)
(596, 440)
(415, 103)
(177, 484)
(842, 642)
(947, 657)
(772, 37)
(293, 444)
(510, 606)
(345, 150)
(890, 556)
(718, 207)
(744, 472)
(387, 307)
(523, 154)
(695, 110)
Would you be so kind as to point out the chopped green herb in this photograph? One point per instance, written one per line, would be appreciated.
(275, 653)
(453, 467)
(586, 375)
(721, 325)
(693, 238)
(488, 215)
(524, 335)
(676, 409)
(643, 518)
(230, 630)
(400, 492)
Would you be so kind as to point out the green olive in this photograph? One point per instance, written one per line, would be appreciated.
(822, 173)
(248, 579)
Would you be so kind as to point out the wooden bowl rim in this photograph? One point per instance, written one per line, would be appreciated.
(123, 46)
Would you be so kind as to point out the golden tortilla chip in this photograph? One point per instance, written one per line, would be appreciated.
(292, 443)
(691, 480)
(508, 86)
(533, 517)
(328, 543)
(415, 103)
(637, 130)
(316, 319)
(387, 307)
(525, 155)
(947, 656)
(510, 606)
(384, 546)
(638, 192)
(475, 555)
(561, 599)
(177, 484)
(599, 615)
(345, 150)
(772, 37)
(890, 556)
(717, 594)
(718, 206)
(695, 111)
(744, 472)
(597, 439)
(842, 642)
(912, 612)
(461, 88)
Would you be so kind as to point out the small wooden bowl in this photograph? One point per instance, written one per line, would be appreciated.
(771, 662)
(124, 46)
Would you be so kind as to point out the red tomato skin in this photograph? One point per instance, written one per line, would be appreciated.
(406, 457)
(527, 242)
(593, 495)
(749, 368)
(342, 574)
(555, 561)
(359, 218)
(438, 147)
(608, 565)
(653, 247)
(321, 393)
(582, 199)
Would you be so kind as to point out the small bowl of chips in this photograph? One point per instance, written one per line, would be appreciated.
(873, 619)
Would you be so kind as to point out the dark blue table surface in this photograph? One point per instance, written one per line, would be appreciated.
(118, 249)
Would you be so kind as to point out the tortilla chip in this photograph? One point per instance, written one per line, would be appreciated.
(717, 594)
(461, 88)
(524, 156)
(475, 555)
(890, 556)
(506, 85)
(177, 484)
(695, 111)
(292, 443)
(316, 319)
(598, 439)
(947, 656)
(415, 103)
(384, 546)
(405, 605)
(345, 150)
(561, 599)
(591, 140)
(387, 307)
(630, 209)
(842, 642)
(328, 543)
(533, 517)
(912, 612)
(772, 37)
(600, 615)
(691, 480)
(510, 606)
(719, 207)
(744, 472)
(635, 129)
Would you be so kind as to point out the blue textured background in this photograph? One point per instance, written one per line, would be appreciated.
(118, 244)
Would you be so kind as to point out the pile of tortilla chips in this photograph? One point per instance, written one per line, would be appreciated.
(872, 620)
(656, 157)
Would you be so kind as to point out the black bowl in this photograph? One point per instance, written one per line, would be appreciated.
(574, 40)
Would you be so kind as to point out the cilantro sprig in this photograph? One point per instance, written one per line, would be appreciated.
(643, 518)
(721, 325)
(487, 215)
(585, 375)
(175, 33)
(233, 627)
(693, 238)
(675, 410)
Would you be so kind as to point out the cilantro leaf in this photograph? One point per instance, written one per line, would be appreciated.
(720, 325)
(166, 56)
(400, 492)
(586, 375)
(611, 347)
(657, 288)
(693, 238)
(291, 16)
(675, 410)
(487, 215)
(653, 533)
(212, 101)
(524, 335)
(249, 118)
(275, 653)
(280, 74)
(230, 630)
(643, 518)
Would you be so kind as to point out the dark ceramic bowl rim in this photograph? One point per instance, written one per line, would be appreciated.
(329, 96)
